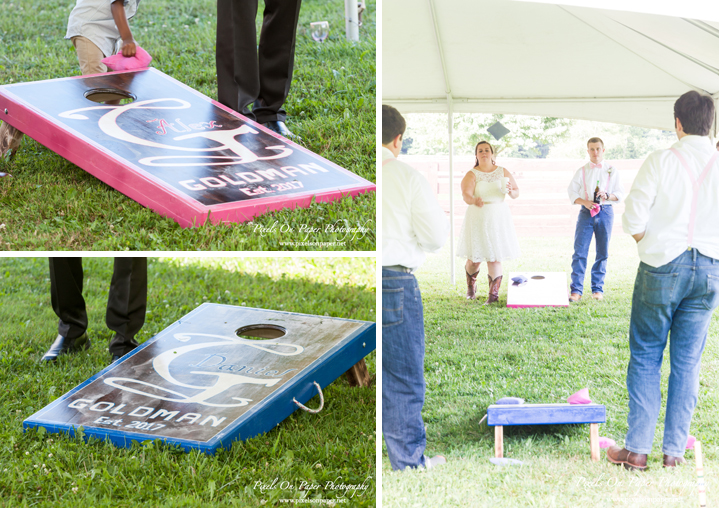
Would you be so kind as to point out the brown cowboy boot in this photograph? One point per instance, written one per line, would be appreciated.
(471, 285)
(493, 295)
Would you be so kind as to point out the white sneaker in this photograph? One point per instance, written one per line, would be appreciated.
(437, 460)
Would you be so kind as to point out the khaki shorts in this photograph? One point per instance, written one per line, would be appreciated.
(89, 56)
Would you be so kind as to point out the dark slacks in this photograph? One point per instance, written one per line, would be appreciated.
(126, 301)
(248, 75)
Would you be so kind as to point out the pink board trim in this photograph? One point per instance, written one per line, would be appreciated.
(142, 186)
(533, 306)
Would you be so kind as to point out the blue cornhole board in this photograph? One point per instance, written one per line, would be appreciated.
(200, 385)
(500, 415)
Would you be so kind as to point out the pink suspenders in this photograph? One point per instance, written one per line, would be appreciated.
(695, 187)
(386, 161)
(584, 180)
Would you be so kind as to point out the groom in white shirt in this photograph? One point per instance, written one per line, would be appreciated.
(594, 219)
(672, 212)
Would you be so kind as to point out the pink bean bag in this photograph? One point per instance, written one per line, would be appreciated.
(128, 63)
(605, 442)
(581, 397)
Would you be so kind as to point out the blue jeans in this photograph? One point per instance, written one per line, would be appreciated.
(601, 227)
(678, 297)
(402, 369)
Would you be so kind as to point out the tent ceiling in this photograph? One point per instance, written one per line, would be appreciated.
(503, 56)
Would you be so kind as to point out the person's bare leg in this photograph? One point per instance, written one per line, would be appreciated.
(494, 268)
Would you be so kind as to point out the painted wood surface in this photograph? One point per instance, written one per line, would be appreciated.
(200, 385)
(543, 289)
(173, 149)
(545, 414)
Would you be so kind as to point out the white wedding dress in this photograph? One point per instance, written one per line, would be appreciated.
(488, 231)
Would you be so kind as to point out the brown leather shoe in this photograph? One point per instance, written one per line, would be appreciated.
(630, 460)
(493, 295)
(471, 285)
(670, 461)
(575, 297)
(598, 296)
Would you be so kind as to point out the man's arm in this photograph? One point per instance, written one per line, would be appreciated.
(429, 222)
(641, 198)
(118, 14)
(617, 193)
(576, 193)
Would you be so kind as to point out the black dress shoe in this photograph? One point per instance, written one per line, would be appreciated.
(281, 129)
(63, 345)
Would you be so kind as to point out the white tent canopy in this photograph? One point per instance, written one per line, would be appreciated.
(514, 57)
(537, 57)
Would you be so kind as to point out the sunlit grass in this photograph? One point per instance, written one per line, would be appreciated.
(51, 204)
(53, 470)
(476, 355)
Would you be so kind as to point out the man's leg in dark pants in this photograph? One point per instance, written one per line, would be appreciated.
(238, 80)
(66, 296)
(276, 58)
(126, 303)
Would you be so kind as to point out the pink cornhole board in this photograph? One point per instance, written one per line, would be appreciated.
(543, 289)
(173, 149)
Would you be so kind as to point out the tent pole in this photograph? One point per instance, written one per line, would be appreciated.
(450, 131)
(351, 20)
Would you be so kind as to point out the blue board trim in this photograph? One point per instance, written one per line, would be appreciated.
(260, 419)
(545, 414)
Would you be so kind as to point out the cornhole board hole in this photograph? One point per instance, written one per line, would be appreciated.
(219, 374)
(542, 289)
(172, 149)
(500, 415)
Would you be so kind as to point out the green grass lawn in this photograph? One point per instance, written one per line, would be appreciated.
(51, 204)
(38, 469)
(476, 355)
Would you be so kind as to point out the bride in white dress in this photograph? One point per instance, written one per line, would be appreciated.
(487, 231)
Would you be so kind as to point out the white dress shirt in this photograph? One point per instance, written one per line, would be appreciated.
(609, 182)
(412, 220)
(93, 19)
(661, 199)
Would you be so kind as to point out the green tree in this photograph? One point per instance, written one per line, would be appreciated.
(529, 136)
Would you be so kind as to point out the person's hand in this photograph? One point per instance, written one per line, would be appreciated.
(604, 195)
(478, 202)
(129, 47)
(587, 204)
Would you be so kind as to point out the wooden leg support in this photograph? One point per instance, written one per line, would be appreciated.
(358, 374)
(498, 441)
(594, 441)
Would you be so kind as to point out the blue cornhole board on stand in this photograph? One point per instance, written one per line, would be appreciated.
(200, 385)
(499, 415)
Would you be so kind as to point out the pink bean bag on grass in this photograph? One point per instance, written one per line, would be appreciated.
(128, 63)
(581, 397)
(606, 442)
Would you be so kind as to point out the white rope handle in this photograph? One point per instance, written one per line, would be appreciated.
(322, 401)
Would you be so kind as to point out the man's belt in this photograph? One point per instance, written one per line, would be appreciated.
(398, 268)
